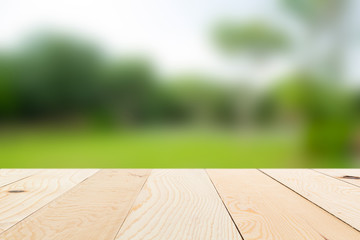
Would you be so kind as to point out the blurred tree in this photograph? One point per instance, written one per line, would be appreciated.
(257, 42)
(256, 39)
(330, 121)
(325, 113)
(130, 90)
(8, 94)
(196, 99)
(322, 19)
(316, 12)
(57, 76)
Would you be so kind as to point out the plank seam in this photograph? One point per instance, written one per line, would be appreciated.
(48, 203)
(132, 204)
(17, 180)
(227, 210)
(38, 170)
(308, 200)
(335, 178)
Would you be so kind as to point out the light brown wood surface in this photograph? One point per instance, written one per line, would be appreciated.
(178, 204)
(337, 197)
(263, 209)
(8, 176)
(93, 210)
(21, 198)
(347, 175)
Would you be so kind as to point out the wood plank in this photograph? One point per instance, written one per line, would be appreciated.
(264, 209)
(22, 198)
(348, 175)
(8, 176)
(338, 198)
(178, 204)
(93, 210)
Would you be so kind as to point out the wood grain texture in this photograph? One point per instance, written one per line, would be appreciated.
(338, 198)
(20, 199)
(263, 209)
(93, 210)
(178, 204)
(8, 176)
(347, 175)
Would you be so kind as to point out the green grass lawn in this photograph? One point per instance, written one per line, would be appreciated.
(148, 149)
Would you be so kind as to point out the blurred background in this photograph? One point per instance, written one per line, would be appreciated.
(179, 83)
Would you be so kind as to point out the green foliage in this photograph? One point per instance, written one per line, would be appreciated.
(314, 99)
(326, 111)
(56, 77)
(129, 90)
(197, 99)
(315, 11)
(8, 101)
(256, 39)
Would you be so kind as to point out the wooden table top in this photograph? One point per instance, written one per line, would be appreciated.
(186, 204)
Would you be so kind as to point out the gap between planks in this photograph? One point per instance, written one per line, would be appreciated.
(306, 227)
(335, 197)
(265, 209)
(8, 176)
(20, 199)
(351, 176)
(94, 209)
(232, 219)
(178, 204)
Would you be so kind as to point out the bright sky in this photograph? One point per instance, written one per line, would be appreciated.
(174, 33)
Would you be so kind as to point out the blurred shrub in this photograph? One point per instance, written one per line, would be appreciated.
(324, 110)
